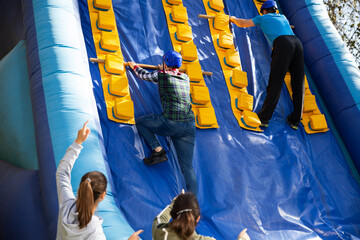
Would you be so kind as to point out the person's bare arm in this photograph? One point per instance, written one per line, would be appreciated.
(242, 22)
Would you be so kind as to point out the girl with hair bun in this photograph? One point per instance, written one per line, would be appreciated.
(184, 211)
(76, 215)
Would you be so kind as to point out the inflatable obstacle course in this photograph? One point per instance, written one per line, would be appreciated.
(236, 79)
(120, 107)
(305, 180)
(181, 38)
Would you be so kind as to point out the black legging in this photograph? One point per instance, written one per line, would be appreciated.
(287, 55)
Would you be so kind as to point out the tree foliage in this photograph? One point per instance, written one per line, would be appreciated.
(345, 15)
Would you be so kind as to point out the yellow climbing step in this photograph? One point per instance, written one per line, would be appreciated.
(312, 119)
(236, 79)
(182, 41)
(119, 106)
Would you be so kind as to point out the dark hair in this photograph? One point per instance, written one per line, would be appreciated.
(270, 10)
(184, 214)
(92, 185)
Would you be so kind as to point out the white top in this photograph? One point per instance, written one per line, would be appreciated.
(68, 224)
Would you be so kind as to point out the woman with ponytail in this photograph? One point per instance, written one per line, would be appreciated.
(76, 215)
(184, 211)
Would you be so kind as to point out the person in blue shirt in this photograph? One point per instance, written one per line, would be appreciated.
(287, 54)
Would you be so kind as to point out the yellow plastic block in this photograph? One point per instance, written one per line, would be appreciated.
(250, 119)
(102, 5)
(193, 70)
(206, 117)
(123, 109)
(225, 40)
(189, 52)
(106, 21)
(232, 58)
(114, 65)
(244, 101)
(216, 5)
(118, 86)
(306, 83)
(109, 42)
(199, 95)
(317, 122)
(183, 33)
(174, 2)
(307, 91)
(179, 14)
(309, 103)
(221, 22)
(238, 79)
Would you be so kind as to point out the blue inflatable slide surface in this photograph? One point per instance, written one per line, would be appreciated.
(279, 184)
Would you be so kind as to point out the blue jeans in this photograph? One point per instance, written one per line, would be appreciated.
(183, 136)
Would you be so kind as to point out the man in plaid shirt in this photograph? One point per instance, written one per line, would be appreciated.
(177, 119)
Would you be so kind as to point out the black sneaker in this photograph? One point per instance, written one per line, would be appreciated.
(156, 157)
(264, 123)
(294, 126)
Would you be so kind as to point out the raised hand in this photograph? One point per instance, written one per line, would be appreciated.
(132, 64)
(182, 192)
(135, 235)
(83, 134)
(243, 235)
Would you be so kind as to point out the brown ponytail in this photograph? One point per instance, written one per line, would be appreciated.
(92, 185)
(184, 214)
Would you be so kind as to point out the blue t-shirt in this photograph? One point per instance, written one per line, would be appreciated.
(273, 25)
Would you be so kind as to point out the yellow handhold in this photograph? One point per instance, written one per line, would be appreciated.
(306, 83)
(238, 79)
(221, 22)
(123, 109)
(118, 86)
(216, 5)
(183, 33)
(232, 58)
(179, 14)
(113, 78)
(309, 103)
(199, 95)
(205, 117)
(244, 101)
(193, 70)
(317, 122)
(102, 5)
(225, 40)
(106, 21)
(114, 65)
(189, 52)
(307, 91)
(174, 2)
(109, 42)
(250, 120)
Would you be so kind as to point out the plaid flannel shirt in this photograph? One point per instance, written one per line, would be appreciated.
(174, 89)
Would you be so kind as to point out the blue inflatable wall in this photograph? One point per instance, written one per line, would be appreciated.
(19, 172)
(331, 66)
(280, 184)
